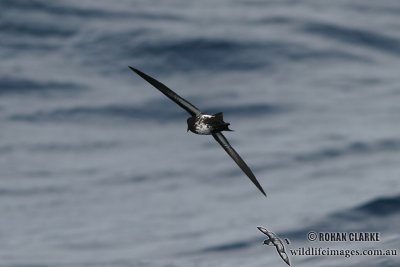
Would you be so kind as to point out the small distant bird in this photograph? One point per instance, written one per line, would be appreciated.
(274, 240)
(200, 123)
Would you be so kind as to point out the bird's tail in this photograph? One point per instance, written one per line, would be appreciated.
(224, 126)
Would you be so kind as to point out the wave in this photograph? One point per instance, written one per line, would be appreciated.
(157, 112)
(141, 48)
(375, 215)
(77, 114)
(184, 55)
(354, 148)
(55, 8)
(29, 192)
(149, 47)
(14, 85)
(72, 147)
(354, 36)
(384, 206)
(37, 29)
(23, 32)
(238, 245)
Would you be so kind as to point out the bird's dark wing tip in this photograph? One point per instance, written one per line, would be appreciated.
(133, 69)
(262, 229)
(140, 73)
(262, 191)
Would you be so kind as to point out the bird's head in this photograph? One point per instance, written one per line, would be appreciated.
(190, 123)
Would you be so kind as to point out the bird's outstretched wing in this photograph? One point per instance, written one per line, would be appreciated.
(271, 235)
(284, 257)
(183, 103)
(235, 156)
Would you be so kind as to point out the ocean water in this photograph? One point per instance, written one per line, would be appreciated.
(96, 166)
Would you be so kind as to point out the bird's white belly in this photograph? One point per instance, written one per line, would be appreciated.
(202, 128)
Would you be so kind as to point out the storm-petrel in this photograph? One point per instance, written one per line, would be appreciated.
(204, 124)
(273, 240)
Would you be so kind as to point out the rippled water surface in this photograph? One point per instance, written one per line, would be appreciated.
(96, 166)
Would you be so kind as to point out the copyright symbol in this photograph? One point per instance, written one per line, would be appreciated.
(312, 236)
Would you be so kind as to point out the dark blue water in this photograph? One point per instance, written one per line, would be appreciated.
(96, 166)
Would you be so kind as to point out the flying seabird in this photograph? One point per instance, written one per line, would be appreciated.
(274, 240)
(204, 124)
